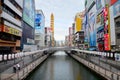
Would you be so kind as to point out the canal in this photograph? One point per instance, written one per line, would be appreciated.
(62, 67)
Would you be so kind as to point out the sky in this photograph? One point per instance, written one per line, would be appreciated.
(64, 12)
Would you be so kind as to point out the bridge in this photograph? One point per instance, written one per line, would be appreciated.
(96, 61)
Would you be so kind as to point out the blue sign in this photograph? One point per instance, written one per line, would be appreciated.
(38, 21)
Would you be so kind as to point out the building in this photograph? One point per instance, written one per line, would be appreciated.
(28, 23)
(48, 36)
(52, 27)
(10, 25)
(39, 29)
(79, 33)
(115, 25)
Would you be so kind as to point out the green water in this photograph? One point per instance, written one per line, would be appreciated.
(62, 67)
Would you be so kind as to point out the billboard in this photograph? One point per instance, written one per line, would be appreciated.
(92, 28)
(113, 1)
(78, 24)
(29, 12)
(39, 23)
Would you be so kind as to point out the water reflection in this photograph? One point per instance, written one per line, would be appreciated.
(61, 67)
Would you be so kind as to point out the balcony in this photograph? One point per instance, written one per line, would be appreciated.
(13, 26)
(10, 18)
(10, 5)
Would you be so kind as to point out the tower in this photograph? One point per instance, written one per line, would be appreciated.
(52, 27)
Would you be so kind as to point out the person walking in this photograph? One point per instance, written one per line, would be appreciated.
(18, 66)
(14, 68)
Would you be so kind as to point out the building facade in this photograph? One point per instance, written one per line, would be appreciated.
(79, 33)
(10, 25)
(48, 36)
(28, 23)
(39, 28)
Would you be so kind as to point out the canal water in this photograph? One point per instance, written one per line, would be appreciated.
(62, 67)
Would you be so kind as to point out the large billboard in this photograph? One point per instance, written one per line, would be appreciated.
(78, 24)
(39, 23)
(29, 12)
(92, 27)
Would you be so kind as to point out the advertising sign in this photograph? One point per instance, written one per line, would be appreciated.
(78, 24)
(92, 28)
(12, 31)
(113, 1)
(116, 8)
(29, 12)
(106, 29)
(39, 22)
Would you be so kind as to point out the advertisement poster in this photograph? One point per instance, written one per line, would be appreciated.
(92, 31)
(116, 8)
(38, 21)
(29, 12)
(92, 28)
(113, 1)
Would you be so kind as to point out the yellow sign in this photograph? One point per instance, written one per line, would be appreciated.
(78, 24)
(12, 31)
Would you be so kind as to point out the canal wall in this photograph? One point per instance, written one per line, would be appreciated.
(96, 68)
(23, 73)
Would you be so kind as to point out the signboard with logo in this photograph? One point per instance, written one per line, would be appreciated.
(11, 30)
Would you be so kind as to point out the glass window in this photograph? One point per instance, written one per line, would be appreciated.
(118, 35)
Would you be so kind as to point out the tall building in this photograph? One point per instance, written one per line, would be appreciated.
(52, 27)
(79, 33)
(28, 42)
(10, 25)
(48, 36)
(115, 25)
(39, 28)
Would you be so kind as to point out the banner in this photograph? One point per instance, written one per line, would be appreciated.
(78, 24)
(11, 30)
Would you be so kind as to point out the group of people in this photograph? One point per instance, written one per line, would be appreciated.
(16, 67)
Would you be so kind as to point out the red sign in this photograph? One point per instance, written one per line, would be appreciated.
(106, 42)
(113, 1)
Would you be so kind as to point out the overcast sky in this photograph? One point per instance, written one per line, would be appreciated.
(64, 12)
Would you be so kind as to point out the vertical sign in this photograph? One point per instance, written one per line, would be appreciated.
(106, 29)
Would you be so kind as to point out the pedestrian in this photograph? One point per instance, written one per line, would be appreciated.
(14, 68)
(18, 66)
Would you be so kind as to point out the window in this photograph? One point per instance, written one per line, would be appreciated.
(118, 24)
(118, 35)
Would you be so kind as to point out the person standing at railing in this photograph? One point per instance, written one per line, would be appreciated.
(14, 68)
(18, 66)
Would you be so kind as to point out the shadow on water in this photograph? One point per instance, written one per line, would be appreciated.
(61, 67)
